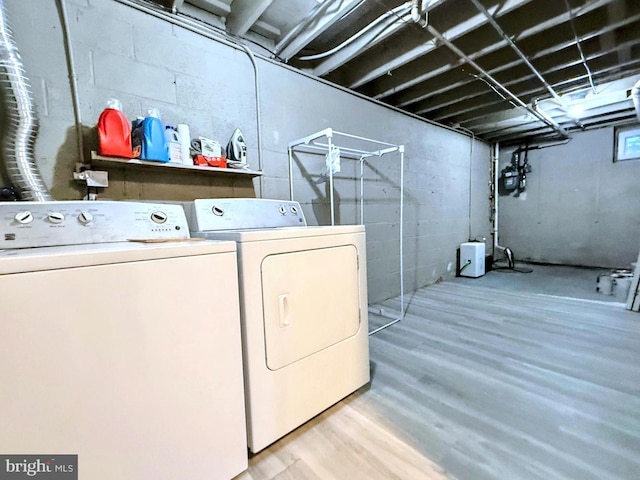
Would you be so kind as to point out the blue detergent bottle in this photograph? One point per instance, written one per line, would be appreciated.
(154, 143)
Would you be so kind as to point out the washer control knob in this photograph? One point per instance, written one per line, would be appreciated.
(159, 217)
(55, 217)
(217, 211)
(85, 217)
(294, 209)
(24, 217)
(282, 209)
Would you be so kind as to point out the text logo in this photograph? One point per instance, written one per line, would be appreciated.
(45, 467)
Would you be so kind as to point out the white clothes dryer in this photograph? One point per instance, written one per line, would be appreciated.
(303, 304)
(121, 353)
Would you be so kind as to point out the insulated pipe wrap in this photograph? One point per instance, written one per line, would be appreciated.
(21, 123)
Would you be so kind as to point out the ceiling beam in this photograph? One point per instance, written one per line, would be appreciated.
(495, 106)
(429, 46)
(266, 30)
(244, 13)
(217, 7)
(475, 92)
(392, 86)
(514, 100)
(590, 40)
(321, 18)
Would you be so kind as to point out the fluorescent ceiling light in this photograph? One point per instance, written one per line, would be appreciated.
(575, 110)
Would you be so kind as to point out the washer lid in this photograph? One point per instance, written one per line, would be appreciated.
(49, 258)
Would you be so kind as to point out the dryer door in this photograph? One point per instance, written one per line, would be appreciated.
(311, 301)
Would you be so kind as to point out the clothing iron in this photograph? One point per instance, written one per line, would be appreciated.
(237, 150)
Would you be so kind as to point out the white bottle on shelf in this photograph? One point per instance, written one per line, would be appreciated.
(185, 143)
(173, 142)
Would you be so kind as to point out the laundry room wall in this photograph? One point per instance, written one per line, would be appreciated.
(146, 62)
(580, 207)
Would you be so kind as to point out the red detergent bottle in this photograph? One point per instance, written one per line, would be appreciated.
(114, 131)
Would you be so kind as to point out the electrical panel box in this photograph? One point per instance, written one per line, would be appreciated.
(472, 259)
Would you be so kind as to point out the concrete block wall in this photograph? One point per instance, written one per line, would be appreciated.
(580, 207)
(148, 62)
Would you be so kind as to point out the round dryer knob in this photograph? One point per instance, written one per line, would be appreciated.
(55, 217)
(217, 211)
(24, 217)
(85, 217)
(294, 209)
(159, 217)
(282, 209)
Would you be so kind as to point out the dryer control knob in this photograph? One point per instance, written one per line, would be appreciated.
(85, 218)
(217, 211)
(282, 209)
(294, 210)
(24, 217)
(55, 217)
(159, 217)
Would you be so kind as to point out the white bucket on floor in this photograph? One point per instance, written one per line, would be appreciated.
(605, 284)
(621, 287)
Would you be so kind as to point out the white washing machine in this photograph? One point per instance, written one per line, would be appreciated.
(303, 304)
(126, 354)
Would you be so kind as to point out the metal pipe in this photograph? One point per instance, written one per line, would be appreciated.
(18, 144)
(415, 11)
(496, 179)
(635, 95)
(256, 77)
(546, 120)
(73, 78)
(523, 57)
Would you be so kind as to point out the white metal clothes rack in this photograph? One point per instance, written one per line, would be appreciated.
(314, 144)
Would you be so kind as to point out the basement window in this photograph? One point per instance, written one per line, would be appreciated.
(627, 143)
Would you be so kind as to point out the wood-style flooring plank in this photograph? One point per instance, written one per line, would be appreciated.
(341, 443)
(482, 384)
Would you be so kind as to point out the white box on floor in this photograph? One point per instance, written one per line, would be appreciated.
(472, 259)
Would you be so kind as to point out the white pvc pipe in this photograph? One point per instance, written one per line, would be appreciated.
(73, 79)
(496, 179)
(256, 76)
(635, 95)
(397, 12)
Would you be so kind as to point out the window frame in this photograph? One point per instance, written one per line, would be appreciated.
(621, 134)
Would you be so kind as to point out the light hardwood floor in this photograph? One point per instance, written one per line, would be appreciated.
(479, 384)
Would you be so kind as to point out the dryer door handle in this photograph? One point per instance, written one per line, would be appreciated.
(283, 304)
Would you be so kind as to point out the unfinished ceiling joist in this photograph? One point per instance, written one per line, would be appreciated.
(244, 15)
(319, 20)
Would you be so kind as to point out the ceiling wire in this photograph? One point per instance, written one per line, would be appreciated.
(575, 34)
(401, 9)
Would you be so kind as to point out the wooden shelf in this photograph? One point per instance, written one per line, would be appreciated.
(106, 162)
